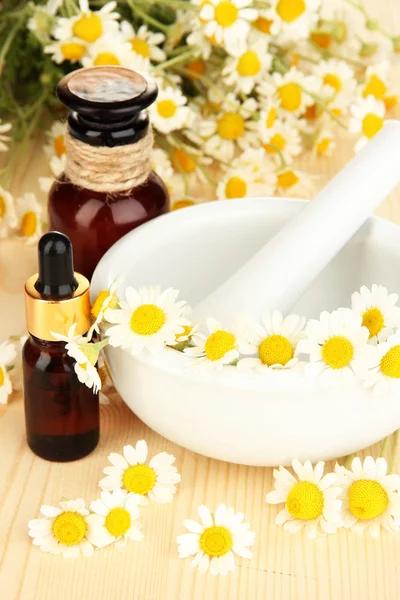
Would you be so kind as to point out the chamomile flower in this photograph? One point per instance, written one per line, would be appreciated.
(367, 118)
(114, 518)
(274, 342)
(155, 481)
(337, 78)
(294, 182)
(30, 214)
(88, 26)
(376, 81)
(57, 166)
(198, 39)
(291, 90)
(270, 107)
(183, 202)
(42, 20)
(227, 21)
(162, 165)
(261, 164)
(62, 530)
(72, 50)
(8, 215)
(169, 112)
(337, 345)
(189, 160)
(56, 140)
(240, 184)
(145, 43)
(112, 50)
(383, 366)
(220, 347)
(249, 67)
(370, 497)
(85, 355)
(229, 128)
(188, 330)
(311, 499)
(378, 310)
(324, 144)
(282, 140)
(7, 355)
(148, 319)
(293, 19)
(105, 299)
(215, 540)
(4, 128)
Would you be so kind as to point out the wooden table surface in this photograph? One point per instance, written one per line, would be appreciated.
(284, 567)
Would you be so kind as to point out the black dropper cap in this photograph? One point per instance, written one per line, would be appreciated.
(56, 278)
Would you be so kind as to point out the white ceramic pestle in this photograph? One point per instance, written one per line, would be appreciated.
(277, 275)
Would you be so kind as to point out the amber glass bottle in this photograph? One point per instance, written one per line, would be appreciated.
(108, 115)
(61, 413)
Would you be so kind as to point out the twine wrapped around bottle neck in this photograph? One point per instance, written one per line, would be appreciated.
(104, 169)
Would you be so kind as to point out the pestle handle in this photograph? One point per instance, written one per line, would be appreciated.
(278, 274)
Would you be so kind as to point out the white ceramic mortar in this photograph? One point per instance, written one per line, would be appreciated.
(247, 417)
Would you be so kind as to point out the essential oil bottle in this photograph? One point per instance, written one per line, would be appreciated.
(61, 414)
(108, 187)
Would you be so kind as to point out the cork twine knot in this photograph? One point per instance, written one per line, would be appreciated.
(104, 169)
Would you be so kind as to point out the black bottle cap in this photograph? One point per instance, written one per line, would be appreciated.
(56, 278)
(108, 104)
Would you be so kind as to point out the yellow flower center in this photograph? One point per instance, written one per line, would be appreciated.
(275, 350)
(323, 145)
(263, 25)
(230, 126)
(271, 117)
(183, 160)
(183, 204)
(290, 10)
(374, 321)
(337, 352)
(147, 319)
(29, 223)
(305, 501)
(311, 112)
(59, 145)
(166, 108)
(235, 187)
(226, 13)
(375, 87)
(3, 207)
(139, 479)
(88, 28)
(197, 68)
(390, 363)
(2, 377)
(390, 102)
(287, 179)
(277, 142)
(72, 51)
(322, 39)
(218, 344)
(216, 541)
(106, 58)
(248, 64)
(290, 96)
(333, 81)
(69, 528)
(371, 125)
(186, 332)
(140, 47)
(98, 303)
(118, 521)
(367, 499)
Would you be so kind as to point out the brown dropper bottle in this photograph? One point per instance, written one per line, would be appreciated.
(108, 187)
(61, 414)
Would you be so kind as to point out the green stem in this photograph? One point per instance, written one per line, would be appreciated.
(179, 3)
(394, 451)
(324, 107)
(7, 44)
(176, 60)
(147, 18)
(348, 460)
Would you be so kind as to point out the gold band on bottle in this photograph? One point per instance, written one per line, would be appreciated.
(44, 316)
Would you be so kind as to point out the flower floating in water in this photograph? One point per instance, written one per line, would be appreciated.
(311, 500)
(215, 540)
(378, 309)
(220, 347)
(7, 355)
(148, 319)
(62, 530)
(337, 347)
(114, 519)
(371, 499)
(156, 481)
